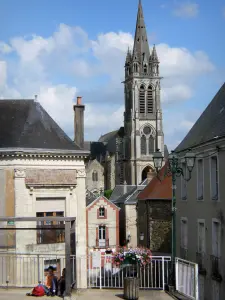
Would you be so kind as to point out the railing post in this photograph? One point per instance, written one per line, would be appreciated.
(38, 266)
(163, 273)
(176, 274)
(196, 282)
(100, 275)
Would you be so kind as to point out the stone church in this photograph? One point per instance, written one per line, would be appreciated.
(126, 154)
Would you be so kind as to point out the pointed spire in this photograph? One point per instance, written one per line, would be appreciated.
(128, 57)
(154, 56)
(141, 47)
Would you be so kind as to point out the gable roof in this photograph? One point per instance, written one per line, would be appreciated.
(158, 189)
(99, 198)
(26, 125)
(210, 124)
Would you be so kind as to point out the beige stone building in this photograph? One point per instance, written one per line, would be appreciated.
(102, 224)
(94, 177)
(42, 173)
(200, 201)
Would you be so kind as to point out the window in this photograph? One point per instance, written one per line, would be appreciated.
(135, 68)
(49, 232)
(95, 176)
(151, 142)
(102, 236)
(184, 238)
(143, 145)
(184, 183)
(216, 238)
(145, 69)
(201, 236)
(200, 179)
(142, 100)
(150, 100)
(214, 177)
(101, 212)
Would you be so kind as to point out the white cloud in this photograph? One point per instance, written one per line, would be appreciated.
(3, 73)
(5, 48)
(66, 63)
(186, 10)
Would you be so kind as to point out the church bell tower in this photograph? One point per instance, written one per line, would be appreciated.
(143, 131)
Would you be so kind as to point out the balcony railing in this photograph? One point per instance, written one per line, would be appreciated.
(183, 253)
(200, 259)
(102, 243)
(50, 234)
(215, 268)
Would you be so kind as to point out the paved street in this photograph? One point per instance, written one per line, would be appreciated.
(20, 294)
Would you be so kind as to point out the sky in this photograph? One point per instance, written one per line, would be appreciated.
(62, 49)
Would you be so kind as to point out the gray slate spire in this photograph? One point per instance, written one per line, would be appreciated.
(141, 47)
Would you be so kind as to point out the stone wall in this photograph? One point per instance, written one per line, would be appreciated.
(160, 225)
(154, 220)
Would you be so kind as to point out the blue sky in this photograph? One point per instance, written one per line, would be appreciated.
(85, 55)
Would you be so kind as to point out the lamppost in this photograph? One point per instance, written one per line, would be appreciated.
(175, 170)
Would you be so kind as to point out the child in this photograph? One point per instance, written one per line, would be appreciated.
(50, 287)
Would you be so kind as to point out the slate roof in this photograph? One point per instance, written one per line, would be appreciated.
(119, 190)
(210, 124)
(90, 197)
(96, 149)
(158, 189)
(130, 196)
(25, 124)
(106, 137)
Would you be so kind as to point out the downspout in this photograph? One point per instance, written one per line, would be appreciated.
(156, 125)
(147, 231)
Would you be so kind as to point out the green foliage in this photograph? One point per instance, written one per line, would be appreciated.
(108, 193)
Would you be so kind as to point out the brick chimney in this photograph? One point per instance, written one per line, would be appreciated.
(79, 123)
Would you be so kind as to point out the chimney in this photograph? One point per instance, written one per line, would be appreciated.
(79, 123)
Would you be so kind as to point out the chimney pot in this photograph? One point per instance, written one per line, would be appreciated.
(79, 100)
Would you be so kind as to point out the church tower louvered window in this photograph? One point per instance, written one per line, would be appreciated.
(142, 100)
(150, 100)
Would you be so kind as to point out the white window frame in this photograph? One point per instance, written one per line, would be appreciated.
(201, 221)
(218, 187)
(214, 220)
(200, 197)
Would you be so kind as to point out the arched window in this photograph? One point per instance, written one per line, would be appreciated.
(143, 145)
(142, 100)
(150, 100)
(95, 176)
(145, 69)
(135, 68)
(151, 144)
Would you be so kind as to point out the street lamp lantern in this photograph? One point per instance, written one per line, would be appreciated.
(173, 160)
(190, 160)
(142, 236)
(158, 160)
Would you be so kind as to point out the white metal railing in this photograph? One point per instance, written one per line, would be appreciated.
(27, 270)
(102, 273)
(187, 278)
